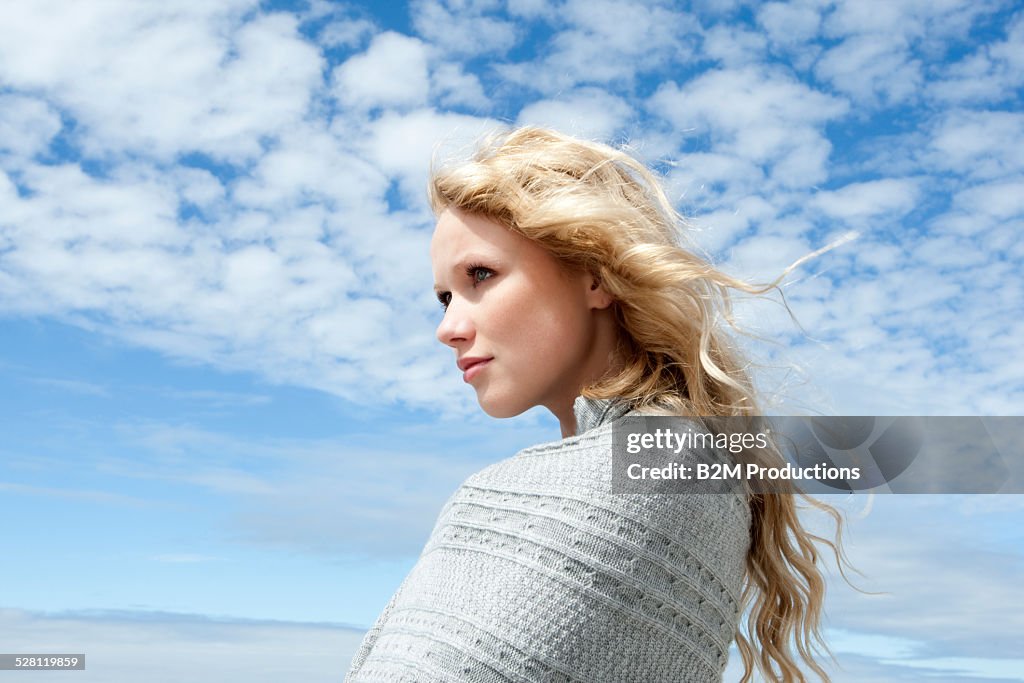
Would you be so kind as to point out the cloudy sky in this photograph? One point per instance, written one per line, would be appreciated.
(227, 426)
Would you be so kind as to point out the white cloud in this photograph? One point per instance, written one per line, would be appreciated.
(455, 87)
(734, 46)
(985, 144)
(462, 27)
(715, 230)
(27, 125)
(882, 17)
(589, 113)
(532, 9)
(345, 32)
(935, 345)
(606, 42)
(392, 72)
(885, 46)
(870, 67)
(790, 23)
(857, 202)
(308, 164)
(778, 123)
(403, 145)
(337, 25)
(707, 180)
(116, 247)
(991, 74)
(762, 258)
(160, 79)
(931, 21)
(1000, 200)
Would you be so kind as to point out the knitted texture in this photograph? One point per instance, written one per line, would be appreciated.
(536, 571)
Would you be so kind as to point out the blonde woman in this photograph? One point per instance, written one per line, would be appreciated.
(559, 266)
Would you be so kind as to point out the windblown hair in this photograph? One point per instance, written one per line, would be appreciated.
(599, 210)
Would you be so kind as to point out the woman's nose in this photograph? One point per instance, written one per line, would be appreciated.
(456, 326)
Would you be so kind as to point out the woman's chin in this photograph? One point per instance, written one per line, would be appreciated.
(499, 408)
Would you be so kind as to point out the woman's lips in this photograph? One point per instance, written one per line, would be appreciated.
(475, 369)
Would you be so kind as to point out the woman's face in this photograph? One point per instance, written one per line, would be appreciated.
(525, 331)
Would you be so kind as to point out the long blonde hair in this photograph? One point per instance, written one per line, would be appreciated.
(599, 210)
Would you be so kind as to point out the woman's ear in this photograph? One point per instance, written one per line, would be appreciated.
(597, 297)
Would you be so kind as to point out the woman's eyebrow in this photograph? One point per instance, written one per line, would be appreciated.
(464, 262)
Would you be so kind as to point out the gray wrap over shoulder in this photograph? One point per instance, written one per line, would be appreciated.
(536, 571)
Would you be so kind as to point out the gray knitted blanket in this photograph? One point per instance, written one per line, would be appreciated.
(536, 571)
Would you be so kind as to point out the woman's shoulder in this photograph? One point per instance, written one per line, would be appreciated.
(576, 462)
(587, 467)
(564, 498)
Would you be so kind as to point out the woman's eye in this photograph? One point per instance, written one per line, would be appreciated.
(478, 273)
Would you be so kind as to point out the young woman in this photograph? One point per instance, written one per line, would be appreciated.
(559, 266)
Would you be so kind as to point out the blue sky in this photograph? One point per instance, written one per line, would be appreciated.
(227, 426)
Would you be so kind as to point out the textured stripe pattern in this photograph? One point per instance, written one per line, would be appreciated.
(535, 571)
